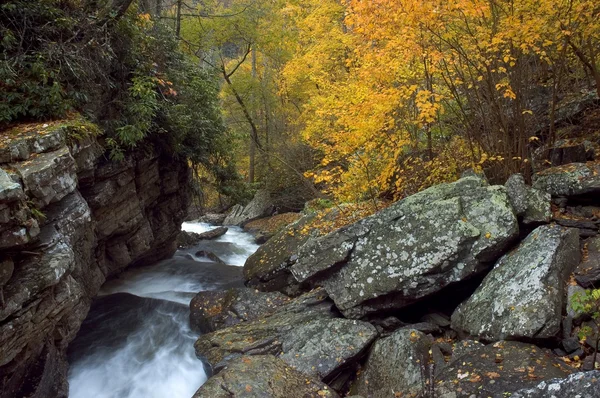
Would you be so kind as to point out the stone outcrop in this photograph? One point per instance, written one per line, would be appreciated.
(262, 376)
(304, 333)
(69, 219)
(524, 295)
(411, 250)
(260, 206)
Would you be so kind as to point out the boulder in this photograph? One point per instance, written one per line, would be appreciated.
(213, 218)
(262, 376)
(412, 249)
(497, 370)
(261, 205)
(574, 179)
(322, 347)
(524, 294)
(213, 233)
(304, 333)
(532, 205)
(187, 239)
(397, 364)
(214, 310)
(580, 385)
(268, 268)
(587, 273)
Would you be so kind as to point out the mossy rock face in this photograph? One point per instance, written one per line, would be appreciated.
(260, 377)
(21, 142)
(523, 297)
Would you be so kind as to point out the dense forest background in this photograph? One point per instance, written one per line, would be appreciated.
(346, 101)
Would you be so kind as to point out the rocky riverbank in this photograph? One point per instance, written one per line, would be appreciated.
(462, 290)
(69, 219)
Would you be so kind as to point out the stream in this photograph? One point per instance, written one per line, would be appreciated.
(136, 341)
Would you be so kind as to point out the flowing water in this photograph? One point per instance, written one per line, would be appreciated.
(136, 341)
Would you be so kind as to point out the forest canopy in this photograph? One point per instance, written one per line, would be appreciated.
(348, 100)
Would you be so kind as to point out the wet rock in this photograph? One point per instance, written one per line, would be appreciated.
(213, 233)
(261, 205)
(580, 385)
(529, 203)
(210, 255)
(187, 239)
(214, 310)
(587, 273)
(523, 296)
(497, 370)
(213, 218)
(303, 332)
(396, 364)
(262, 376)
(575, 179)
(412, 249)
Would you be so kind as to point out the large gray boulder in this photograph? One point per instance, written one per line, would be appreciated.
(497, 370)
(304, 333)
(532, 205)
(412, 249)
(524, 295)
(579, 385)
(214, 310)
(268, 268)
(397, 364)
(262, 376)
(260, 206)
(573, 179)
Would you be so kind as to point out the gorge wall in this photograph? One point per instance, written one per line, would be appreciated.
(69, 219)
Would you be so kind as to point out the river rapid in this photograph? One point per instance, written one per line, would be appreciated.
(136, 341)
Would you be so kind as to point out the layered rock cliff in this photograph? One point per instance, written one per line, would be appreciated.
(69, 219)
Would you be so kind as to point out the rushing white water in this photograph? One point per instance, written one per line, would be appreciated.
(243, 243)
(136, 341)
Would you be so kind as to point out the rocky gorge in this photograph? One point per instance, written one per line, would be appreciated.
(462, 290)
(69, 219)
